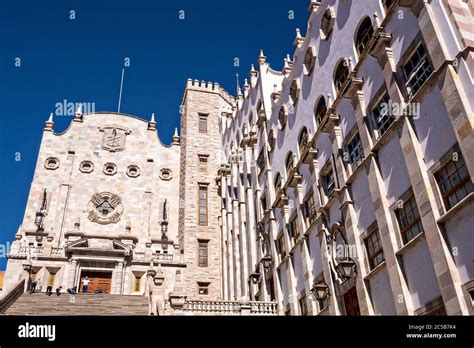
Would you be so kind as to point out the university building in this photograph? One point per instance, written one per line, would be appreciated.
(339, 185)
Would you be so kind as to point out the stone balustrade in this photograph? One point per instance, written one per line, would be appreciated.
(230, 308)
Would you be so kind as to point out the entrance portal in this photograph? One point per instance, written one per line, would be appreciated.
(99, 281)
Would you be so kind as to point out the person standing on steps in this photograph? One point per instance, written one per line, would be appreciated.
(85, 284)
(49, 290)
(33, 286)
(59, 290)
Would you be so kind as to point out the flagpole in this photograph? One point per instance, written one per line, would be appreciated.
(120, 95)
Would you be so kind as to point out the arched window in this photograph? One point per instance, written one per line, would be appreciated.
(271, 139)
(320, 110)
(282, 117)
(303, 138)
(277, 182)
(309, 61)
(327, 23)
(289, 162)
(294, 93)
(364, 34)
(340, 75)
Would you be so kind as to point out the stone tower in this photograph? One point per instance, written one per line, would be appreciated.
(199, 234)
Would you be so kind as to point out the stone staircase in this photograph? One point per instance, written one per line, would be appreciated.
(88, 304)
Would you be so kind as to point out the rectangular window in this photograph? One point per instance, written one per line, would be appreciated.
(203, 253)
(293, 230)
(203, 123)
(329, 183)
(409, 220)
(261, 162)
(355, 151)
(203, 205)
(382, 115)
(454, 182)
(374, 249)
(203, 288)
(203, 163)
(303, 306)
(417, 70)
(280, 246)
(310, 208)
(137, 283)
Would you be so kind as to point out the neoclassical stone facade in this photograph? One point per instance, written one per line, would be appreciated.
(341, 184)
(348, 173)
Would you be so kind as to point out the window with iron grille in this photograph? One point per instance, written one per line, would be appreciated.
(203, 253)
(382, 115)
(261, 162)
(355, 152)
(310, 208)
(364, 35)
(320, 110)
(289, 163)
(303, 305)
(294, 93)
(329, 183)
(303, 139)
(374, 249)
(341, 74)
(293, 229)
(454, 182)
(280, 246)
(417, 70)
(409, 220)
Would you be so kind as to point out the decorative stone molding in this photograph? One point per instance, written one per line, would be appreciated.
(110, 169)
(166, 174)
(327, 23)
(105, 208)
(133, 171)
(114, 138)
(86, 167)
(51, 163)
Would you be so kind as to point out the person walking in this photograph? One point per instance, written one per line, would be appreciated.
(85, 284)
(49, 290)
(58, 290)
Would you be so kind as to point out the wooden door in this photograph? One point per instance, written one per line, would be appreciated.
(97, 281)
(352, 302)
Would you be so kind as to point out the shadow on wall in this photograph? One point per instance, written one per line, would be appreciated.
(343, 11)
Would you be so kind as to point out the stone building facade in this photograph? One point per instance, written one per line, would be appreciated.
(347, 183)
(341, 184)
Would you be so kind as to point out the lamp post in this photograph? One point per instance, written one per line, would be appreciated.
(320, 291)
(346, 268)
(255, 278)
(267, 262)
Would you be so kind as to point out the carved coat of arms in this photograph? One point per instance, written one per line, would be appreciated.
(105, 208)
(114, 138)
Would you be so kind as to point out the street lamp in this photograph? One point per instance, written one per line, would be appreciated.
(267, 262)
(346, 268)
(39, 221)
(256, 278)
(320, 291)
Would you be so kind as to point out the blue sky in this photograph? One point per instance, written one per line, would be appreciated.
(80, 60)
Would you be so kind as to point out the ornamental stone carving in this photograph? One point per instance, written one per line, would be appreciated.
(114, 138)
(105, 208)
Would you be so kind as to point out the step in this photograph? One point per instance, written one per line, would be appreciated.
(80, 304)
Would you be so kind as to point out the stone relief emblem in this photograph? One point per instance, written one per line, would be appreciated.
(114, 138)
(105, 208)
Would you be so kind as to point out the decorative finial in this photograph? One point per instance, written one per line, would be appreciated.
(175, 138)
(314, 5)
(298, 39)
(239, 91)
(48, 125)
(152, 123)
(262, 58)
(78, 113)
